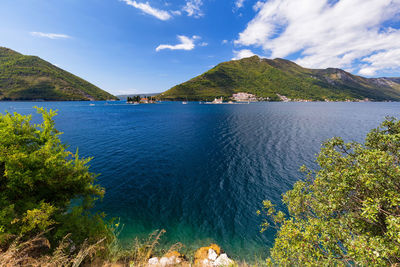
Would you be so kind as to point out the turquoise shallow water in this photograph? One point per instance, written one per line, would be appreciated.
(202, 171)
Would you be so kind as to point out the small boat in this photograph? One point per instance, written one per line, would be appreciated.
(184, 102)
(91, 104)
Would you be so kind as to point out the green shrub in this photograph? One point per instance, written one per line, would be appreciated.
(348, 211)
(39, 180)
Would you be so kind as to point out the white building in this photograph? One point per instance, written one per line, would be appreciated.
(244, 97)
(217, 101)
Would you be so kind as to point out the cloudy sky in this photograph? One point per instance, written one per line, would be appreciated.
(139, 46)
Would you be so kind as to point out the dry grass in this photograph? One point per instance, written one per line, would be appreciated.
(35, 253)
(140, 251)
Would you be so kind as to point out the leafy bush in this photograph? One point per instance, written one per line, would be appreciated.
(43, 185)
(347, 212)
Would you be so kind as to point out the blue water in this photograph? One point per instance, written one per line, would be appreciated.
(202, 171)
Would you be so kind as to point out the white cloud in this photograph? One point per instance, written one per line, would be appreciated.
(50, 35)
(258, 5)
(388, 60)
(242, 54)
(324, 34)
(146, 8)
(185, 44)
(176, 12)
(367, 71)
(224, 41)
(193, 8)
(239, 3)
(203, 44)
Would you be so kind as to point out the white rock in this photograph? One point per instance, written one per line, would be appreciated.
(212, 255)
(153, 261)
(206, 263)
(165, 261)
(223, 260)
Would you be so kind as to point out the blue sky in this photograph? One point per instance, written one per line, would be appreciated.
(126, 46)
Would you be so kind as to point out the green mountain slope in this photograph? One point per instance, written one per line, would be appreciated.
(267, 78)
(31, 78)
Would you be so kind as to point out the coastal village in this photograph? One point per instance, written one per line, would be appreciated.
(238, 97)
(241, 97)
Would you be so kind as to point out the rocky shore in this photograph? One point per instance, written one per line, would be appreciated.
(209, 256)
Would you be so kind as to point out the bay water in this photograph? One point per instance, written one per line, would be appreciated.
(202, 171)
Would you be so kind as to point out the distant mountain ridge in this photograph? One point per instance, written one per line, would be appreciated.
(124, 97)
(32, 78)
(269, 78)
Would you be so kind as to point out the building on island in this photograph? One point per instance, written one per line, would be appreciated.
(137, 99)
(217, 101)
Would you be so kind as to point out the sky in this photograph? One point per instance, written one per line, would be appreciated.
(139, 46)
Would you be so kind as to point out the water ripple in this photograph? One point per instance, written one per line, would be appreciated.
(202, 171)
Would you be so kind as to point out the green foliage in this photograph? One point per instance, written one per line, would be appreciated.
(42, 185)
(31, 78)
(267, 78)
(135, 98)
(347, 212)
(38, 219)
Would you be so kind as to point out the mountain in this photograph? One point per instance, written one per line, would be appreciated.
(268, 78)
(32, 78)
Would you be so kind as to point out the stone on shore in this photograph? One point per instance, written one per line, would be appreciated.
(223, 260)
(211, 256)
(170, 258)
(153, 261)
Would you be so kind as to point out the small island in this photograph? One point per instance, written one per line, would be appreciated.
(140, 100)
